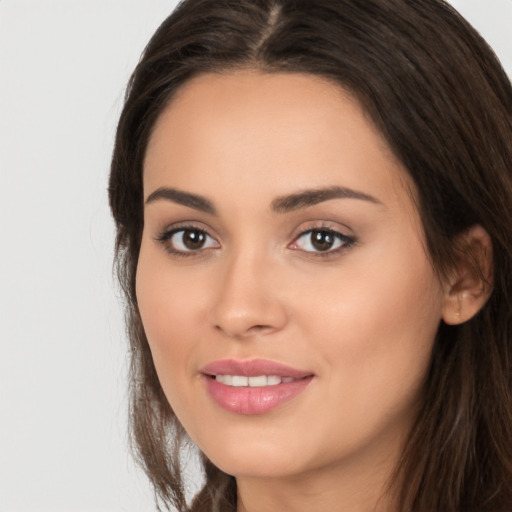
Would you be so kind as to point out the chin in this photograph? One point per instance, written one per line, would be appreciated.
(263, 459)
(255, 466)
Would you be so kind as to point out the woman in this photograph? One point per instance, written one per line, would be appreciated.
(313, 202)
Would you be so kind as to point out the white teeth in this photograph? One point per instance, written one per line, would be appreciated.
(272, 380)
(258, 381)
(239, 381)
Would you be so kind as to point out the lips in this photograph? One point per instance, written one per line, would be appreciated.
(253, 387)
(253, 368)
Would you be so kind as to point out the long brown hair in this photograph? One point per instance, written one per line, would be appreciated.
(439, 96)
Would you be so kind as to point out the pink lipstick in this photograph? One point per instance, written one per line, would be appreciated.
(253, 387)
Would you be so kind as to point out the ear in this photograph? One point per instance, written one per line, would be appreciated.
(469, 285)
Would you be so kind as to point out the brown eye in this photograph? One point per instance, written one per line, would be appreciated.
(321, 241)
(193, 239)
(187, 241)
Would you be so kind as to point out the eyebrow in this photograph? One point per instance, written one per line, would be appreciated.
(281, 204)
(311, 197)
(184, 198)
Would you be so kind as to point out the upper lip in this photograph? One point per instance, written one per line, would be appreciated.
(253, 368)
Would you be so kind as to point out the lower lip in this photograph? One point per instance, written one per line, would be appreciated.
(254, 400)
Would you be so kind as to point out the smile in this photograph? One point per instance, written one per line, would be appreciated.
(253, 387)
(254, 382)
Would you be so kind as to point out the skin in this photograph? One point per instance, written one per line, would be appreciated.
(362, 318)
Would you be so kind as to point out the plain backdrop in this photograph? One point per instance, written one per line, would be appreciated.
(63, 68)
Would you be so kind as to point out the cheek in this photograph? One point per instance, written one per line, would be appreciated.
(375, 331)
(167, 317)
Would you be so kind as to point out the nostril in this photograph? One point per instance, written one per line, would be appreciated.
(238, 332)
(260, 327)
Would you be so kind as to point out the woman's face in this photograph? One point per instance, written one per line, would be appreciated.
(282, 250)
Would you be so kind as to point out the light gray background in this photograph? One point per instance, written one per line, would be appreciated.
(63, 67)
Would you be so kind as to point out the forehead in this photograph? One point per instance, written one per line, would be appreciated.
(279, 128)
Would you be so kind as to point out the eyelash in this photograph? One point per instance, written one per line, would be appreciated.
(166, 236)
(345, 241)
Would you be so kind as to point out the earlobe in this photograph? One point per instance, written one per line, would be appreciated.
(470, 283)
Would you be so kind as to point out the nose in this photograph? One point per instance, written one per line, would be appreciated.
(247, 301)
